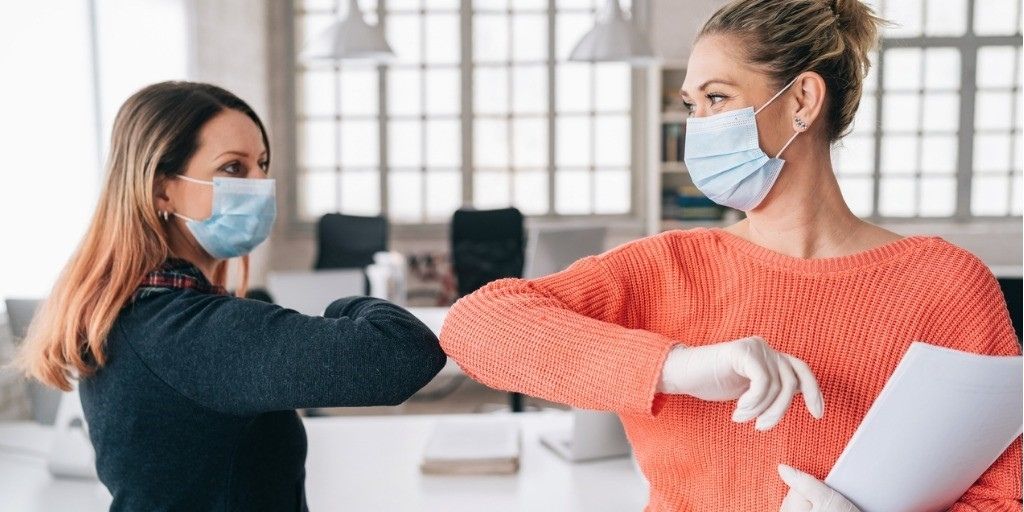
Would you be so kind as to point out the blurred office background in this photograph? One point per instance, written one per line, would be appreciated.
(482, 109)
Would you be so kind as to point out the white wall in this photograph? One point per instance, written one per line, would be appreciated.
(57, 114)
(675, 23)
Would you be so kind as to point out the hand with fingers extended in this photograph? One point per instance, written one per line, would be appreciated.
(808, 494)
(763, 380)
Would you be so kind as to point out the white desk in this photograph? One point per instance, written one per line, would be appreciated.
(369, 464)
(382, 472)
(25, 483)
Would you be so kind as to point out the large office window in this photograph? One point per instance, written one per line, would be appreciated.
(68, 67)
(938, 131)
(480, 108)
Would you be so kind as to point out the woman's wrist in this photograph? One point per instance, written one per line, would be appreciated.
(672, 370)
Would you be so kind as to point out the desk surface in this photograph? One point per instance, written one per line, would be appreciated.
(370, 463)
(387, 476)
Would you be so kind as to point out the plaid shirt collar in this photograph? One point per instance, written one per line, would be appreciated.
(177, 274)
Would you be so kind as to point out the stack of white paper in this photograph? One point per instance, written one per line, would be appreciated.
(941, 420)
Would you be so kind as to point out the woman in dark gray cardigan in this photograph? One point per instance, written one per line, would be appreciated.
(190, 394)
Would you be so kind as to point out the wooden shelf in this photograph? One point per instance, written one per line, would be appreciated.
(673, 117)
(667, 224)
(674, 167)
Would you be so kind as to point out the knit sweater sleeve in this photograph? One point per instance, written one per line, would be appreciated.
(244, 357)
(972, 316)
(560, 338)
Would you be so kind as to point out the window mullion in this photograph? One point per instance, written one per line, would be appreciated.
(382, 120)
(551, 107)
(968, 91)
(880, 93)
(466, 68)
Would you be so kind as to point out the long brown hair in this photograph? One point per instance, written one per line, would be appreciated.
(155, 134)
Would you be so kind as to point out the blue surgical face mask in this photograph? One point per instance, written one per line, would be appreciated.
(724, 158)
(243, 213)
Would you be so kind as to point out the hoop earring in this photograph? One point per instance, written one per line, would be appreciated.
(164, 215)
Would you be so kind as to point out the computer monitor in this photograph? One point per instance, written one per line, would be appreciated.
(552, 249)
(19, 315)
(310, 292)
(44, 400)
(594, 435)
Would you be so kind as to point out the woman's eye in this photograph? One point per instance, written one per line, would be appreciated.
(232, 168)
(688, 108)
(715, 98)
(265, 166)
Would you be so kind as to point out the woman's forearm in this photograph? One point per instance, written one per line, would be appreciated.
(554, 338)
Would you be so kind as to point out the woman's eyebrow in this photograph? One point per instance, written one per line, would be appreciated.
(707, 83)
(239, 153)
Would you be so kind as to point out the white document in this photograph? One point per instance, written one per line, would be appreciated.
(940, 421)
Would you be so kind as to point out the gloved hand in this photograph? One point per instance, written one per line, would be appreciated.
(808, 494)
(764, 380)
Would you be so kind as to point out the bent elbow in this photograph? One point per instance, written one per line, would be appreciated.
(423, 364)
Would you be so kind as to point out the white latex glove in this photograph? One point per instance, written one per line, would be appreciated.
(808, 494)
(764, 380)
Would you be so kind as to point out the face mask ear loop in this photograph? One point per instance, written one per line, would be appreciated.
(769, 102)
(193, 180)
(790, 141)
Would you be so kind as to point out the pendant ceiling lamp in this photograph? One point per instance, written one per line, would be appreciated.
(351, 38)
(614, 38)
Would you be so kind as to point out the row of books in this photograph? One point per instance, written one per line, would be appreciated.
(672, 136)
(686, 202)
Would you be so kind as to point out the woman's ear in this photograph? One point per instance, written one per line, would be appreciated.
(809, 91)
(161, 198)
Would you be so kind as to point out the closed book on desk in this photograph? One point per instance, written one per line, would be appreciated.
(477, 446)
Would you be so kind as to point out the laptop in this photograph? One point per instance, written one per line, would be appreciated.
(552, 249)
(310, 292)
(594, 435)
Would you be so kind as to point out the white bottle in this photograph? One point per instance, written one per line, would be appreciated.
(388, 277)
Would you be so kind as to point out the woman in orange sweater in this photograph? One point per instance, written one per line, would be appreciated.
(668, 330)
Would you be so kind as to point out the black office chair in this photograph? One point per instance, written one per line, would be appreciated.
(349, 241)
(260, 294)
(487, 245)
(1013, 288)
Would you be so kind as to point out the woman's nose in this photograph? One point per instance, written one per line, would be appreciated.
(258, 173)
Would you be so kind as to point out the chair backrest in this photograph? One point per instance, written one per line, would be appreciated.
(1012, 287)
(349, 241)
(486, 245)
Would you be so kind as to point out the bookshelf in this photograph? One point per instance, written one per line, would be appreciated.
(673, 201)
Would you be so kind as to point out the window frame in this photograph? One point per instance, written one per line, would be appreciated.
(285, 66)
(967, 45)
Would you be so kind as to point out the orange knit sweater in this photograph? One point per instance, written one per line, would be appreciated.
(596, 335)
